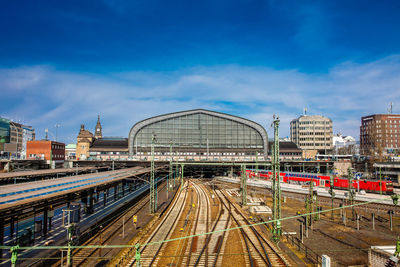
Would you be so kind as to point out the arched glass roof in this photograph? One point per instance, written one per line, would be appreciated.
(199, 129)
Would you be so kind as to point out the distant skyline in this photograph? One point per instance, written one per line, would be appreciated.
(66, 62)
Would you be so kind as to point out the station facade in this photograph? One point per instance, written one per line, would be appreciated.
(198, 134)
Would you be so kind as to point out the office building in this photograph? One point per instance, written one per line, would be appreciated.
(312, 132)
(380, 134)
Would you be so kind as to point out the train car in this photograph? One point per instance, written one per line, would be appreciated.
(320, 180)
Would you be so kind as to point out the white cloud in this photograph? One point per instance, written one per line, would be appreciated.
(44, 96)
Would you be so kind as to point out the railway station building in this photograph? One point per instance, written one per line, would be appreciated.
(198, 134)
(97, 147)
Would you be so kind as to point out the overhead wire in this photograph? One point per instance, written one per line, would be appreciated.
(201, 234)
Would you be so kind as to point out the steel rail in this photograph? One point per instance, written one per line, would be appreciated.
(158, 228)
(95, 239)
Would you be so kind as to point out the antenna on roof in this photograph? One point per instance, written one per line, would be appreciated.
(305, 111)
(390, 109)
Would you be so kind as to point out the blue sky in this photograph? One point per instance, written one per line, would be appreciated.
(64, 62)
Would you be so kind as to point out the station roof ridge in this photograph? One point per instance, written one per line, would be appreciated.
(191, 111)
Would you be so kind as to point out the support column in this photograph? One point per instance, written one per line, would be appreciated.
(45, 220)
(12, 227)
(1, 236)
(91, 201)
(373, 221)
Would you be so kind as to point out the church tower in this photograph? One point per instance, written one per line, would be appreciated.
(97, 132)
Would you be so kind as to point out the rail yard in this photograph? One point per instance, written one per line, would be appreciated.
(198, 222)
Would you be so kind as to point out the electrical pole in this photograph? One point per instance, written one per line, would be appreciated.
(332, 193)
(182, 166)
(153, 200)
(257, 163)
(276, 188)
(351, 191)
(170, 168)
(244, 186)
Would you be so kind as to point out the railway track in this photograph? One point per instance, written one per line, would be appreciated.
(201, 226)
(150, 253)
(85, 257)
(260, 251)
(214, 242)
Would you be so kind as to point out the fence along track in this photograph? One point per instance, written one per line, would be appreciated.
(149, 253)
(82, 257)
(272, 255)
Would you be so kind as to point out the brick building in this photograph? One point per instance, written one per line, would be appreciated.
(47, 150)
(380, 135)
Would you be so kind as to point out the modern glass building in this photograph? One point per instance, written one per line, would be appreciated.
(4, 132)
(199, 132)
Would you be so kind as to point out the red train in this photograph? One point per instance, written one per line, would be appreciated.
(324, 181)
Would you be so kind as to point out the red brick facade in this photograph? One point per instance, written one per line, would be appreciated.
(380, 134)
(42, 149)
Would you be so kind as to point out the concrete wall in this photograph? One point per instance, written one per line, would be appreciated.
(341, 167)
(309, 154)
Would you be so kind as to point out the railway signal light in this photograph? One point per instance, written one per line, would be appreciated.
(395, 199)
(331, 192)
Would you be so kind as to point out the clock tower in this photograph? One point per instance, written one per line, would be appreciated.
(97, 132)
